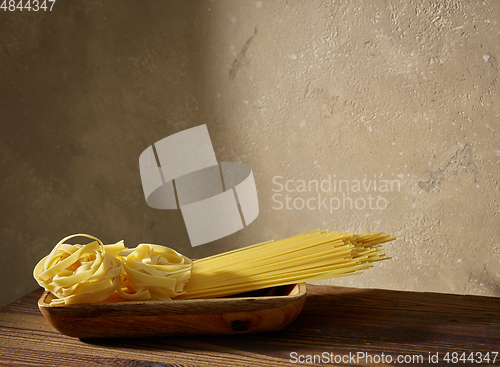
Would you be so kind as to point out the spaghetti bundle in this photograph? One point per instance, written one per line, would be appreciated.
(80, 274)
(310, 256)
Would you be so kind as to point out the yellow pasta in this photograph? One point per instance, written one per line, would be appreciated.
(80, 274)
(310, 256)
(97, 272)
(153, 272)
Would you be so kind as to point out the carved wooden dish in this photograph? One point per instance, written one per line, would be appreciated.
(265, 310)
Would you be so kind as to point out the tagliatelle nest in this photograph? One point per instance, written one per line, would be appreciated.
(80, 274)
(153, 272)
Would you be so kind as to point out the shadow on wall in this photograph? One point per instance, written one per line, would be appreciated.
(87, 88)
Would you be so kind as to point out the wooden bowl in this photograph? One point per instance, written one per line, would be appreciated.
(266, 310)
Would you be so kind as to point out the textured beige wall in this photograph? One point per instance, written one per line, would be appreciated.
(347, 90)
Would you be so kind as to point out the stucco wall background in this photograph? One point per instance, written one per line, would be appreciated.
(361, 91)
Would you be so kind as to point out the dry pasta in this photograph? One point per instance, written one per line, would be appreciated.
(97, 272)
(153, 272)
(310, 256)
(80, 274)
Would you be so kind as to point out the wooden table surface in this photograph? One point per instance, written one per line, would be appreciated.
(363, 327)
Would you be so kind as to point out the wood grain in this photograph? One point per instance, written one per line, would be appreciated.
(335, 320)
